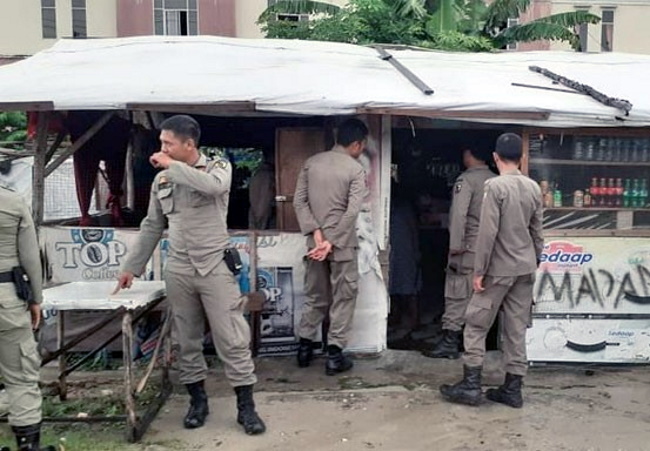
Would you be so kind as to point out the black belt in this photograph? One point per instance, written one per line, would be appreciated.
(6, 277)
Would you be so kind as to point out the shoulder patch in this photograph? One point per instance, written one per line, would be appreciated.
(459, 186)
(221, 163)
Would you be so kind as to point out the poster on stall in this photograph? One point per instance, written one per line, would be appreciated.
(589, 340)
(280, 277)
(87, 254)
(594, 275)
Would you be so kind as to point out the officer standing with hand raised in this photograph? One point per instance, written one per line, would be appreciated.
(508, 249)
(191, 194)
(21, 293)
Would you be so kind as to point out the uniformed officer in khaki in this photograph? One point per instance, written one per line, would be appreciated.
(465, 212)
(19, 359)
(329, 193)
(191, 195)
(508, 250)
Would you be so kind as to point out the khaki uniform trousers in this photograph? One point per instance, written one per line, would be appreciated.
(458, 290)
(512, 295)
(215, 296)
(19, 359)
(329, 285)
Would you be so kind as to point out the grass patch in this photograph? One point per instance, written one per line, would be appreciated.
(82, 437)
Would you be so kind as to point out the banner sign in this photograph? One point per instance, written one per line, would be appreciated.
(585, 340)
(594, 275)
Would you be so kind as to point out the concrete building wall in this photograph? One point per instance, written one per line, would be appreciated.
(21, 31)
(631, 17)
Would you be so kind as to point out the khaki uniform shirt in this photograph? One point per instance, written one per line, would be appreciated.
(510, 237)
(465, 210)
(18, 242)
(194, 202)
(329, 194)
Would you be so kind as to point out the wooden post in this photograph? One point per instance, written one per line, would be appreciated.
(129, 400)
(63, 387)
(38, 173)
(252, 278)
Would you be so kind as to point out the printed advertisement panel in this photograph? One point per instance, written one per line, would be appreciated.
(280, 276)
(589, 340)
(594, 275)
(87, 254)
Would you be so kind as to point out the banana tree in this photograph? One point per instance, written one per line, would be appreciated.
(556, 27)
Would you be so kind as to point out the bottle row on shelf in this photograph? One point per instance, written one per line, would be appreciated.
(602, 193)
(611, 149)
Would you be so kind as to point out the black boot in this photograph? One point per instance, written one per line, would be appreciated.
(305, 353)
(246, 414)
(448, 347)
(509, 393)
(199, 410)
(467, 391)
(336, 361)
(28, 438)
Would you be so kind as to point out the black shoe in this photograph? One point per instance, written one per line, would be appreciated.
(448, 347)
(467, 391)
(199, 410)
(28, 438)
(509, 393)
(305, 353)
(246, 414)
(337, 362)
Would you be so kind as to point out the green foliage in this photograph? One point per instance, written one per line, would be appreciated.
(13, 129)
(556, 27)
(456, 25)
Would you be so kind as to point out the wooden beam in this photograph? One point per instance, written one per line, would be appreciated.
(27, 106)
(38, 173)
(190, 108)
(16, 153)
(79, 143)
(447, 114)
(55, 145)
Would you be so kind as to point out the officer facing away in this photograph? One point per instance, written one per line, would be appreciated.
(21, 292)
(508, 250)
(465, 213)
(329, 194)
(191, 194)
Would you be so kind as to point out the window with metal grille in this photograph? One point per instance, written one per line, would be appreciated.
(176, 17)
(48, 18)
(607, 33)
(79, 26)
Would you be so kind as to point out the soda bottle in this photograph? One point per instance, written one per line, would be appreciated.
(600, 150)
(644, 193)
(595, 192)
(634, 195)
(611, 193)
(557, 198)
(619, 193)
(604, 193)
(627, 191)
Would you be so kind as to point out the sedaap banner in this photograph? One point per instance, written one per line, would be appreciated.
(594, 275)
(589, 340)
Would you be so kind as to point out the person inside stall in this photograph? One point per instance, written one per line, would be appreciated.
(261, 194)
(404, 277)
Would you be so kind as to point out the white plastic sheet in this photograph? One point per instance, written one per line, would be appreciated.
(97, 295)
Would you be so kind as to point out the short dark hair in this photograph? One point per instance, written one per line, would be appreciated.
(509, 147)
(183, 126)
(351, 130)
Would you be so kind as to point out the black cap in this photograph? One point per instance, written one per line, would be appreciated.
(509, 147)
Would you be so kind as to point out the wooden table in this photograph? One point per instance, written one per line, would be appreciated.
(130, 305)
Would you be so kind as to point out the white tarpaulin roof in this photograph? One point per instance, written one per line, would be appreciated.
(300, 77)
